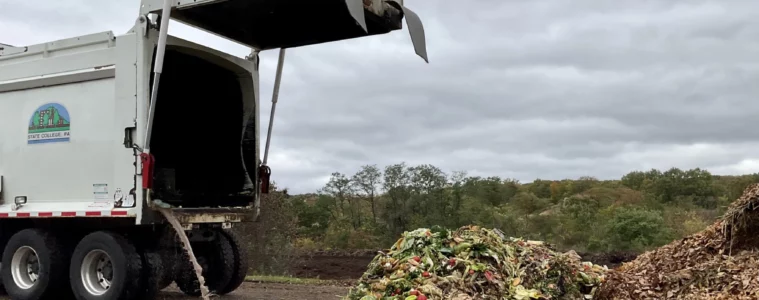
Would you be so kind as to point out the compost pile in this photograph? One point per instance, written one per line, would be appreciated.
(720, 262)
(475, 263)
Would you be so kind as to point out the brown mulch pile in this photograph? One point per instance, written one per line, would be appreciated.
(721, 262)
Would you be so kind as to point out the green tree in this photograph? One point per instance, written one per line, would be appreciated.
(557, 191)
(313, 213)
(540, 188)
(640, 210)
(583, 184)
(530, 203)
(368, 180)
(396, 181)
(637, 229)
(341, 188)
(427, 185)
(634, 180)
(456, 194)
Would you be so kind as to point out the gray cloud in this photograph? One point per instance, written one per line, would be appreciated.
(522, 89)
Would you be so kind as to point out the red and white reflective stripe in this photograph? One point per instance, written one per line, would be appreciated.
(49, 214)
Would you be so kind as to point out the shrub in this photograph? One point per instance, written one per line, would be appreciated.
(637, 229)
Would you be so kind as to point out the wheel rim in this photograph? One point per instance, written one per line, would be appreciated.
(25, 267)
(97, 272)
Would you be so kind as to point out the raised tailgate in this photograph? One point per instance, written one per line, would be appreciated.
(270, 24)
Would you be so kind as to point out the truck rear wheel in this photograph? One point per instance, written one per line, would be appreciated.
(169, 262)
(240, 264)
(153, 272)
(217, 260)
(34, 265)
(106, 265)
(170, 250)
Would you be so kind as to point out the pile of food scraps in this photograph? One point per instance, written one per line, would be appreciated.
(720, 262)
(475, 263)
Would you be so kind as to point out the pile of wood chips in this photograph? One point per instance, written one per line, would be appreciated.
(721, 262)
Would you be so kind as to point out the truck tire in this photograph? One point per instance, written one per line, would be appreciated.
(106, 266)
(186, 279)
(171, 254)
(164, 283)
(169, 261)
(217, 260)
(153, 272)
(34, 266)
(240, 265)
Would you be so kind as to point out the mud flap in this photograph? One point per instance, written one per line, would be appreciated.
(415, 29)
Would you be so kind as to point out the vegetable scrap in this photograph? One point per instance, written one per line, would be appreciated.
(720, 262)
(475, 263)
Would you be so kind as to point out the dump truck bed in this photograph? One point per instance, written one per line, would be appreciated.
(71, 116)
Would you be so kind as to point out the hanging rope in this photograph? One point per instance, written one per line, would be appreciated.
(264, 172)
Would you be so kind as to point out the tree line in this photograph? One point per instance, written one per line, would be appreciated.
(640, 211)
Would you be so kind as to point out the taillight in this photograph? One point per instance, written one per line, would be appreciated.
(264, 175)
(148, 163)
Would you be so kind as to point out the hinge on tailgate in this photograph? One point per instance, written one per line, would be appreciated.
(254, 57)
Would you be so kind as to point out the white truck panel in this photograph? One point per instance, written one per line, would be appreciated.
(68, 166)
(60, 56)
(90, 82)
(100, 85)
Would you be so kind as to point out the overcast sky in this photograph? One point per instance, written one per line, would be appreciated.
(516, 88)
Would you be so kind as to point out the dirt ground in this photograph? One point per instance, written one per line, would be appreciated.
(337, 265)
(269, 291)
(261, 291)
(331, 267)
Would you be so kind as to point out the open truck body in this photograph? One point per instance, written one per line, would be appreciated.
(75, 115)
(71, 110)
(206, 139)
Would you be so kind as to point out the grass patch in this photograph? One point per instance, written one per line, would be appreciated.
(294, 280)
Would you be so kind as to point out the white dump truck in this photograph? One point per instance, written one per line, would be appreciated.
(102, 134)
